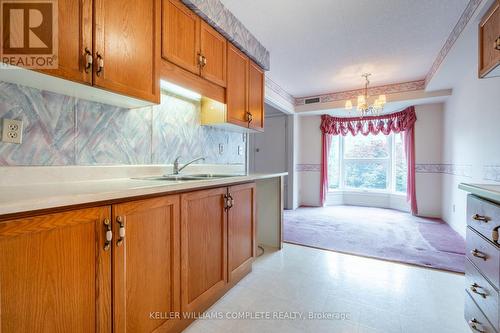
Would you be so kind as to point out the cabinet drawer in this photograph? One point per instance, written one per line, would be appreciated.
(483, 216)
(485, 255)
(475, 318)
(483, 293)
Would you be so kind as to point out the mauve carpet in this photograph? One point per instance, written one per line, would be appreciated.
(377, 233)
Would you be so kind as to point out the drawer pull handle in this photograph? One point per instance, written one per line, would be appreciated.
(473, 325)
(474, 288)
(478, 254)
(480, 218)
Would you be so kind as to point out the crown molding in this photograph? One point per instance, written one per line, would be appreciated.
(350, 94)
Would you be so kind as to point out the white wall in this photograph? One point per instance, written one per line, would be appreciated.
(309, 158)
(471, 127)
(428, 150)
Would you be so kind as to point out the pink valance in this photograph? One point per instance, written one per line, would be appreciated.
(385, 124)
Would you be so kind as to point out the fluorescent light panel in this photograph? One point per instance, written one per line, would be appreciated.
(178, 90)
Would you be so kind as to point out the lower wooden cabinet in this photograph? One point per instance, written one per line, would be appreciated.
(55, 275)
(63, 272)
(241, 231)
(146, 265)
(203, 248)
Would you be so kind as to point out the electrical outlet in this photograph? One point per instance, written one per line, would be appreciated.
(221, 148)
(454, 208)
(12, 131)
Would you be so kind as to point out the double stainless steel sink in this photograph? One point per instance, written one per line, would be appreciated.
(202, 176)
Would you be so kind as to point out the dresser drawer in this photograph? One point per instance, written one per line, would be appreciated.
(483, 293)
(483, 216)
(475, 318)
(485, 255)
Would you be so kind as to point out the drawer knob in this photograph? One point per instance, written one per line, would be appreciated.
(474, 288)
(473, 325)
(478, 254)
(480, 218)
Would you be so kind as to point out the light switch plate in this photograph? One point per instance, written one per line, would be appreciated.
(12, 131)
(221, 148)
(240, 150)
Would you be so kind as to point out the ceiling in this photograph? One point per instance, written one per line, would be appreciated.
(323, 46)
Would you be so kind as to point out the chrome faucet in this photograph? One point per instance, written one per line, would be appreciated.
(176, 164)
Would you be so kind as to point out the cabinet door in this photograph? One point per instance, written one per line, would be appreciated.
(213, 49)
(237, 86)
(203, 248)
(489, 32)
(146, 264)
(127, 40)
(241, 231)
(256, 96)
(180, 35)
(55, 274)
(74, 37)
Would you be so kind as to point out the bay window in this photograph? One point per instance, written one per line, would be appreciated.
(367, 163)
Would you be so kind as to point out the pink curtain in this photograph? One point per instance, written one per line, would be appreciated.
(325, 151)
(402, 121)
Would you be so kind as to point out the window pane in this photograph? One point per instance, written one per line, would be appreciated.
(366, 175)
(334, 164)
(401, 172)
(370, 146)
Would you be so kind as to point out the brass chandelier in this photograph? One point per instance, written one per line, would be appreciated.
(363, 106)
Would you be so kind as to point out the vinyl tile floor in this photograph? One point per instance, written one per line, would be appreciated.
(300, 289)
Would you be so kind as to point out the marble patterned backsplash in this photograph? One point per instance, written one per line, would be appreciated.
(61, 130)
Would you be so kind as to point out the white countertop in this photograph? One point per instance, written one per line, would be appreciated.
(488, 191)
(24, 198)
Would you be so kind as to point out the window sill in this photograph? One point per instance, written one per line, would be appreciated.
(370, 192)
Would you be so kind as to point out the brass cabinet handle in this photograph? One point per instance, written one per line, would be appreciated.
(474, 288)
(109, 234)
(497, 44)
(249, 117)
(473, 325)
(200, 60)
(100, 64)
(494, 234)
(88, 60)
(229, 201)
(204, 61)
(480, 218)
(121, 231)
(478, 254)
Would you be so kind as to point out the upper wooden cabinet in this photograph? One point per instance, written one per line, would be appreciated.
(237, 87)
(245, 90)
(489, 42)
(203, 248)
(55, 273)
(127, 47)
(75, 41)
(180, 35)
(213, 52)
(110, 44)
(256, 96)
(146, 264)
(192, 44)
